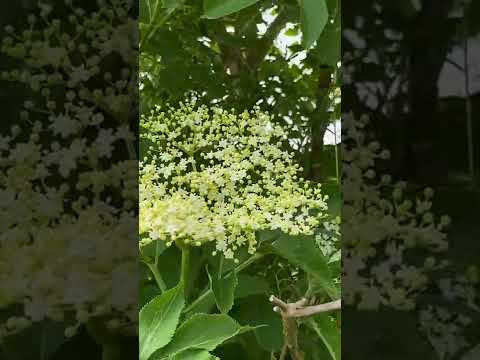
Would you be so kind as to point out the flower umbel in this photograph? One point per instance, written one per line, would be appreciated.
(212, 175)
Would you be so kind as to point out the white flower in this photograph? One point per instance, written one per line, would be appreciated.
(104, 142)
(79, 74)
(63, 125)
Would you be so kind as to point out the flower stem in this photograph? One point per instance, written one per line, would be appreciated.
(158, 277)
(185, 266)
(248, 262)
(157, 253)
(220, 268)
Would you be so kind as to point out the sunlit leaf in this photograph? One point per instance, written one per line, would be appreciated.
(201, 331)
(214, 9)
(314, 15)
(158, 321)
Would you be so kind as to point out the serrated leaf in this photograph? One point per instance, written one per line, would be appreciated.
(304, 253)
(330, 334)
(158, 320)
(223, 289)
(214, 9)
(147, 293)
(314, 17)
(201, 331)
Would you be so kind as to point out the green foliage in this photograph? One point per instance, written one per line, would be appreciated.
(215, 50)
(302, 251)
(314, 19)
(214, 9)
(328, 49)
(329, 332)
(158, 321)
(223, 288)
(257, 311)
(201, 332)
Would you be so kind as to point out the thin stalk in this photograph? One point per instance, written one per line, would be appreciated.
(158, 277)
(157, 22)
(207, 292)
(337, 170)
(157, 253)
(220, 268)
(185, 266)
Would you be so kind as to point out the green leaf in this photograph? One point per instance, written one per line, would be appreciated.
(147, 293)
(149, 8)
(201, 332)
(258, 311)
(304, 253)
(250, 285)
(314, 14)
(158, 321)
(223, 288)
(334, 198)
(193, 355)
(153, 248)
(270, 337)
(214, 9)
(171, 4)
(205, 305)
(330, 334)
(328, 49)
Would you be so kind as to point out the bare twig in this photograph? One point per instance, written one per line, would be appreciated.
(290, 312)
(301, 307)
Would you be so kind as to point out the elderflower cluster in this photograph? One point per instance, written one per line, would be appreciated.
(328, 239)
(380, 225)
(68, 193)
(214, 176)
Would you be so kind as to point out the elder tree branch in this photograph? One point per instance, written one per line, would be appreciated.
(301, 307)
(290, 312)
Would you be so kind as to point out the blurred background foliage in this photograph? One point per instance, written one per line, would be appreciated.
(412, 66)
